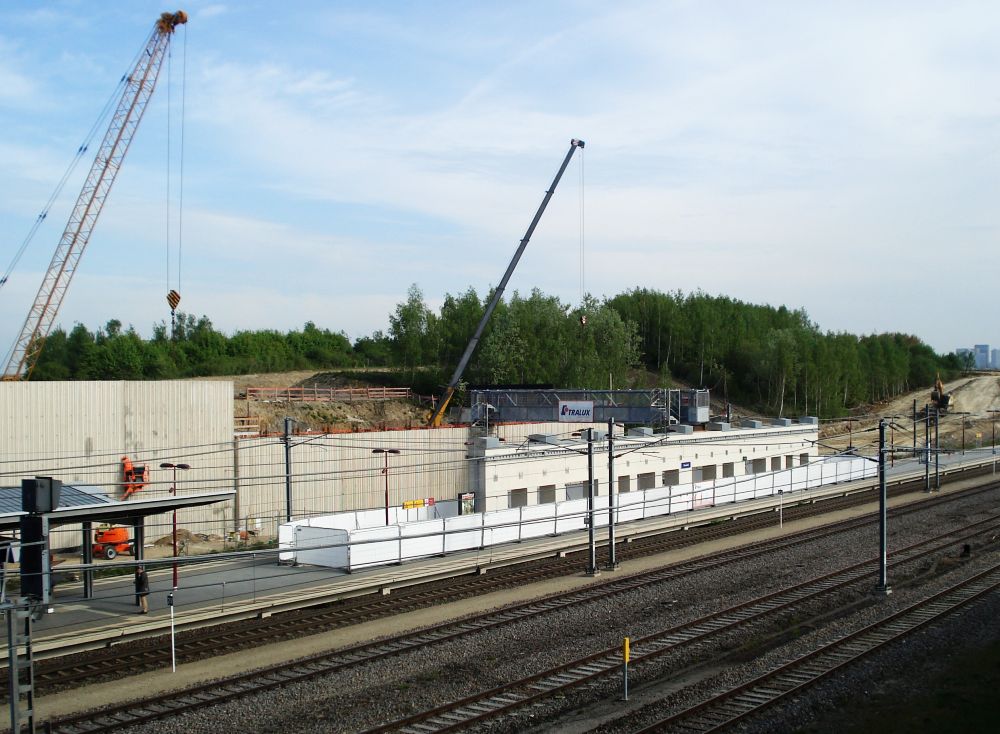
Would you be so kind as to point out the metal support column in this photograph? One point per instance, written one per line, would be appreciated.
(88, 560)
(927, 448)
(139, 533)
(592, 569)
(937, 453)
(20, 667)
(612, 494)
(883, 579)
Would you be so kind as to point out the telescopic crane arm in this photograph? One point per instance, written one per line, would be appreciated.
(498, 293)
(138, 89)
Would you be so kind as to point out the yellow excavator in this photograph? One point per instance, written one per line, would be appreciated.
(942, 400)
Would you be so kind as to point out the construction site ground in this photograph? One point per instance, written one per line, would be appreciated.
(968, 420)
(359, 415)
(973, 397)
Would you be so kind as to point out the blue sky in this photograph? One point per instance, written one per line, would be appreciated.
(840, 158)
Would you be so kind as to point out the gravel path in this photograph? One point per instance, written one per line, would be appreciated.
(404, 684)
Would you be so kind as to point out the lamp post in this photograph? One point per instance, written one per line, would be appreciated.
(173, 491)
(385, 471)
(965, 417)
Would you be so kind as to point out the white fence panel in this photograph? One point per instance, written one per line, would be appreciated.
(421, 539)
(745, 488)
(374, 546)
(681, 498)
(630, 506)
(724, 490)
(371, 518)
(657, 501)
(570, 515)
(704, 495)
(502, 526)
(322, 546)
(799, 477)
(538, 520)
(763, 486)
(463, 532)
(286, 539)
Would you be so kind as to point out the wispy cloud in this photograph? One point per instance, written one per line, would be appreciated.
(808, 154)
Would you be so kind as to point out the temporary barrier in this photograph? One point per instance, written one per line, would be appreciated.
(360, 539)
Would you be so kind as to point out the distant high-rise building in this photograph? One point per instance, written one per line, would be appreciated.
(982, 353)
(995, 359)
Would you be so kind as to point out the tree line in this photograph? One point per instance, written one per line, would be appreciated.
(772, 359)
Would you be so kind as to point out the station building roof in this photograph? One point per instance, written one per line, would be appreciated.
(87, 503)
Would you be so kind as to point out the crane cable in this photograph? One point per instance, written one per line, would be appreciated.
(583, 291)
(99, 124)
(173, 295)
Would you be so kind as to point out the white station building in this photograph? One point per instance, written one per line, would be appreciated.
(549, 468)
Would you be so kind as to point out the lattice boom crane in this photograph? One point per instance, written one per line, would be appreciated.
(139, 85)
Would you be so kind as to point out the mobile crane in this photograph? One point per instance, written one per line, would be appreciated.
(437, 416)
(139, 85)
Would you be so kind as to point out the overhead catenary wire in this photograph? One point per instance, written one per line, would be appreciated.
(54, 196)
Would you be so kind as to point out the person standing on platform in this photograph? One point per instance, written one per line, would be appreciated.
(142, 588)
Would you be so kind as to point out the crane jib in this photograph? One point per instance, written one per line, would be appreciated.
(141, 83)
(498, 292)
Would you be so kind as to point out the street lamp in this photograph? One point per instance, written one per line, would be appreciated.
(173, 491)
(385, 471)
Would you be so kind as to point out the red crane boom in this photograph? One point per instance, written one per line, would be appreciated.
(138, 89)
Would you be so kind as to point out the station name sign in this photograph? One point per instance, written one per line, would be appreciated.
(579, 411)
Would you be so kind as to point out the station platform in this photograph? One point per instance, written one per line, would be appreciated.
(227, 587)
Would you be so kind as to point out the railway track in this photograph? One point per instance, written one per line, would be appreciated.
(173, 704)
(58, 673)
(87, 668)
(530, 691)
(725, 709)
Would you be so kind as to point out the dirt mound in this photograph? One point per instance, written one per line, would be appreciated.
(358, 415)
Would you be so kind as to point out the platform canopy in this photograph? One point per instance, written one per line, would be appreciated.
(87, 503)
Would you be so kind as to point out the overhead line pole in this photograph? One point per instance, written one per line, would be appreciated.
(612, 560)
(592, 569)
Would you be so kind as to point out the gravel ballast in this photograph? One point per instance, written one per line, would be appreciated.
(404, 684)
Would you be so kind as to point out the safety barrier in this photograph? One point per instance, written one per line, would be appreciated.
(327, 394)
(358, 539)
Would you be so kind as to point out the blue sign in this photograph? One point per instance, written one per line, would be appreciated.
(685, 465)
